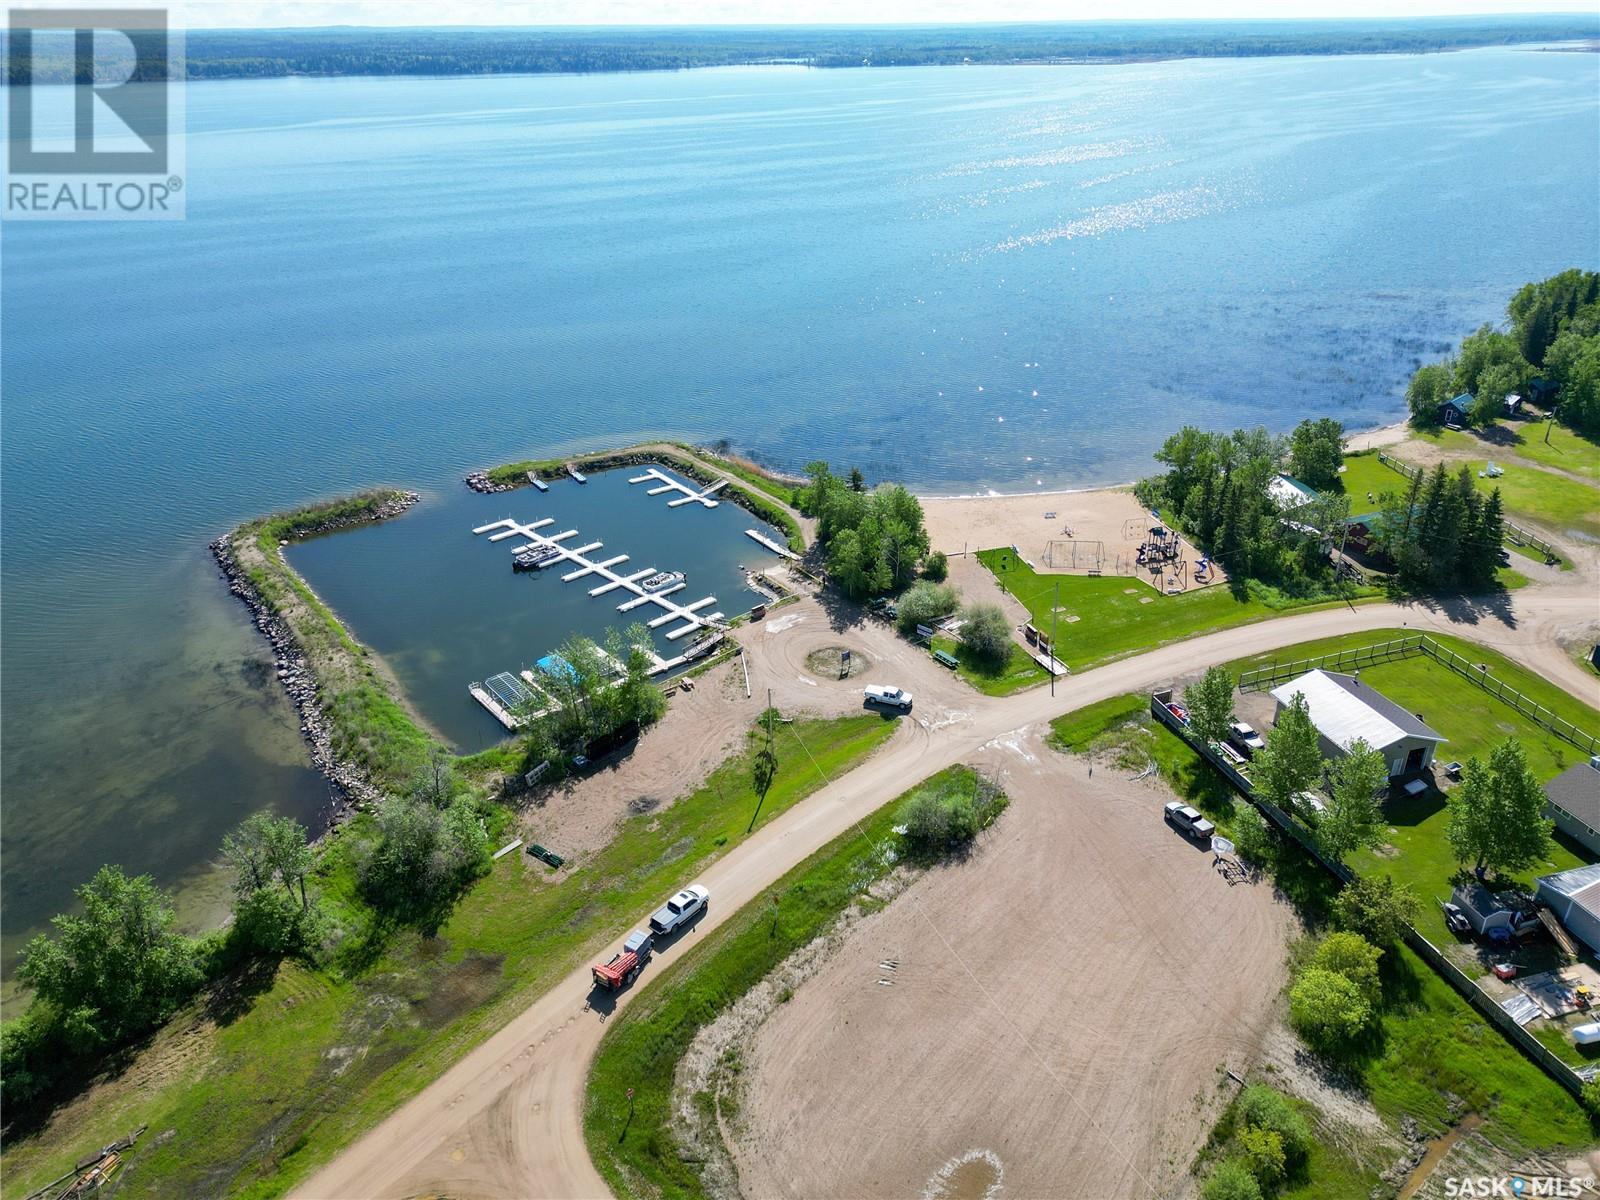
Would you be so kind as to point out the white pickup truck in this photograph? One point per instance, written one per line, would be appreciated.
(680, 910)
(889, 697)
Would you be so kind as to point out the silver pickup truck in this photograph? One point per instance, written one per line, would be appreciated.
(680, 910)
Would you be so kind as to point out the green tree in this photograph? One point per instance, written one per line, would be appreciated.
(1351, 955)
(1496, 383)
(986, 634)
(1377, 908)
(936, 566)
(1292, 761)
(1353, 820)
(1328, 1010)
(1263, 1151)
(858, 481)
(422, 856)
(115, 969)
(1486, 348)
(1316, 451)
(925, 603)
(1252, 835)
(1429, 388)
(1210, 704)
(1232, 1180)
(1267, 1108)
(435, 782)
(1497, 816)
(1541, 312)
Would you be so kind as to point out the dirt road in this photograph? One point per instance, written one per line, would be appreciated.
(506, 1121)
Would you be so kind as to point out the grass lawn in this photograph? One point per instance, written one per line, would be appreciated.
(1019, 673)
(1364, 475)
(637, 1154)
(303, 1062)
(1566, 450)
(1432, 1045)
(1118, 615)
(1474, 722)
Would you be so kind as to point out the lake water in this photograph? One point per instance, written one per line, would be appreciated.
(966, 278)
(445, 609)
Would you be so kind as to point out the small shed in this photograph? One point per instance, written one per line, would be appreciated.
(1344, 709)
(1573, 802)
(1574, 897)
(1457, 410)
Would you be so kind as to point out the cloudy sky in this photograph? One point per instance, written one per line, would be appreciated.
(270, 13)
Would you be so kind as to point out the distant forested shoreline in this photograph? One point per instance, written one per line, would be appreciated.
(273, 53)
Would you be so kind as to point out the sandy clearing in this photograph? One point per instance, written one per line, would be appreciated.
(1060, 1001)
(507, 1119)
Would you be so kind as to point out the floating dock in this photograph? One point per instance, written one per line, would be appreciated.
(690, 615)
(503, 695)
(668, 484)
(783, 551)
(577, 474)
(534, 479)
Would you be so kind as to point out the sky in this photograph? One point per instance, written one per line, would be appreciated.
(277, 13)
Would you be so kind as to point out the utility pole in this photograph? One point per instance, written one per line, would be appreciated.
(1054, 606)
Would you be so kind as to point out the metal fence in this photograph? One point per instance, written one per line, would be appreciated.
(1537, 1052)
(1515, 534)
(1407, 647)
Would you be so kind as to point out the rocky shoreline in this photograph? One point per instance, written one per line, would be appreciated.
(348, 782)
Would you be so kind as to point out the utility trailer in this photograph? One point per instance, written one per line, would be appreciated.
(624, 967)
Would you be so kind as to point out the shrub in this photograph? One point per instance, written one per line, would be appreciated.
(1263, 1151)
(1231, 1181)
(926, 603)
(936, 566)
(1591, 1097)
(1351, 955)
(986, 634)
(1377, 908)
(947, 816)
(1251, 835)
(1328, 1010)
(1266, 1108)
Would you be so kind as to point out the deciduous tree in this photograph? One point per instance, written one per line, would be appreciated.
(1497, 816)
(1210, 704)
(1292, 761)
(1353, 820)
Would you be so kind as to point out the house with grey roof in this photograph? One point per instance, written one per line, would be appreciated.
(1574, 803)
(1343, 708)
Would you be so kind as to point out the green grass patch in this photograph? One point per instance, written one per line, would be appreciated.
(1566, 450)
(1365, 480)
(1474, 721)
(642, 1046)
(1432, 1044)
(1118, 615)
(1018, 674)
(310, 1060)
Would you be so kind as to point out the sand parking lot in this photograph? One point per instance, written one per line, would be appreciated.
(1059, 1001)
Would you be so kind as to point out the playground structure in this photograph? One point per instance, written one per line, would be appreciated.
(1143, 547)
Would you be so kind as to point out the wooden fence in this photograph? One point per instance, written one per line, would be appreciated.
(1273, 674)
(1515, 534)
(1536, 1051)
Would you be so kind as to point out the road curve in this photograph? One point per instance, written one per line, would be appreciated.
(507, 1120)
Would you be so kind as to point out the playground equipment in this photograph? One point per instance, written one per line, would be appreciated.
(1076, 554)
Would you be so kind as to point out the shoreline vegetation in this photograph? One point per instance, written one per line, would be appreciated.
(436, 52)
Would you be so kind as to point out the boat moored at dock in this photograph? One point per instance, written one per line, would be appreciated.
(661, 581)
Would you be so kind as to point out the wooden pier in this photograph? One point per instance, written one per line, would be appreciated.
(669, 484)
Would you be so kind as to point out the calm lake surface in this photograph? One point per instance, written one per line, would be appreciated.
(964, 278)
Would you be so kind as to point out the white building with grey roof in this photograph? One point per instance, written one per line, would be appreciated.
(1343, 709)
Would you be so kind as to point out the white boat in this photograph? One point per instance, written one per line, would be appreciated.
(531, 558)
(661, 580)
(537, 482)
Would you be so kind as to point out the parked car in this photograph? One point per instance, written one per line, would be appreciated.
(889, 697)
(1311, 805)
(1188, 820)
(680, 910)
(1245, 738)
(1586, 1035)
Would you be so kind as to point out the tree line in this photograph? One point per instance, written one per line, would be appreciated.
(874, 539)
(1216, 491)
(1552, 335)
(256, 53)
(1441, 532)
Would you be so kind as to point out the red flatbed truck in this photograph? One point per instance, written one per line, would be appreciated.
(624, 967)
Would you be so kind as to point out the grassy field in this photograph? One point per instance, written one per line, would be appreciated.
(1332, 1168)
(1474, 722)
(1566, 450)
(632, 1145)
(1364, 476)
(1019, 674)
(273, 1079)
(1432, 1046)
(1117, 615)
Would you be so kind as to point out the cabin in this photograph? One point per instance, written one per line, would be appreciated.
(1542, 391)
(1572, 801)
(1456, 412)
(1513, 405)
(1288, 492)
(1344, 709)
